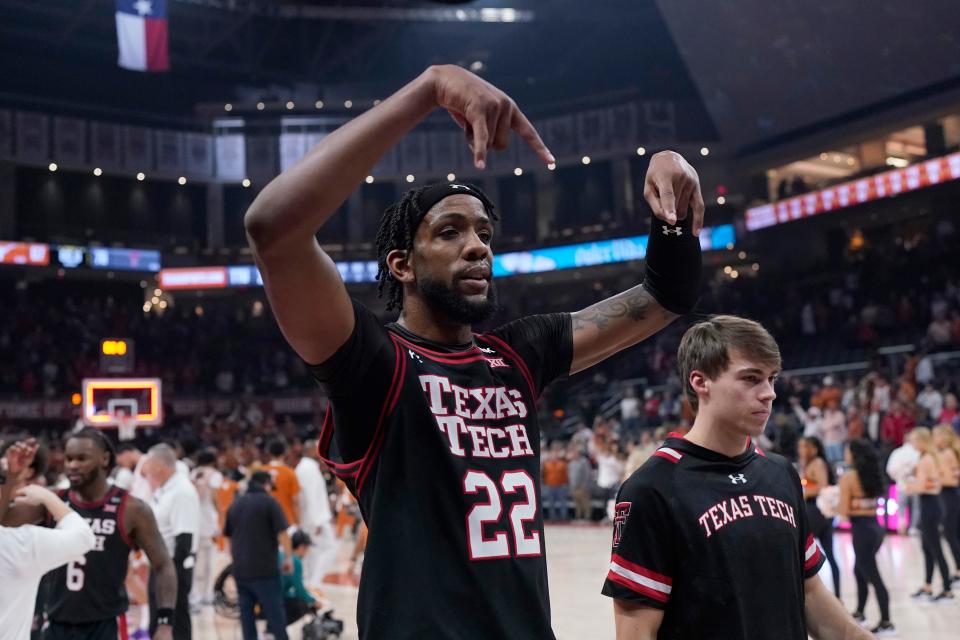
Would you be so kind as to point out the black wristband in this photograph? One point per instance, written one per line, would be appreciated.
(165, 616)
(673, 265)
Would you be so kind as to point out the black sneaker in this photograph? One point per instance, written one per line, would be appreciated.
(858, 617)
(922, 594)
(943, 596)
(885, 628)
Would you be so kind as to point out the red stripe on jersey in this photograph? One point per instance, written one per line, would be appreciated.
(646, 573)
(668, 454)
(430, 353)
(513, 355)
(812, 554)
(355, 468)
(643, 590)
(121, 522)
(74, 498)
(380, 434)
(122, 627)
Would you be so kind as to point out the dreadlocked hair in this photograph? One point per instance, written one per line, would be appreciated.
(398, 224)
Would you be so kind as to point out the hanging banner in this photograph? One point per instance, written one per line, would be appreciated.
(105, 145)
(170, 151)
(33, 143)
(199, 155)
(231, 157)
(69, 140)
(137, 149)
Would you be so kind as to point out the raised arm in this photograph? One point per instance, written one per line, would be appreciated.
(672, 273)
(302, 282)
(14, 467)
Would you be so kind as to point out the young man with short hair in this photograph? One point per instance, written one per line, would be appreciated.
(710, 538)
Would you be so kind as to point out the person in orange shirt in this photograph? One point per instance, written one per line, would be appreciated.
(286, 487)
(556, 490)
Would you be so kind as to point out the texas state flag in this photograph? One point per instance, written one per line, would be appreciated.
(142, 35)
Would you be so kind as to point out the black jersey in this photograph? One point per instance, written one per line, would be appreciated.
(721, 544)
(441, 446)
(92, 588)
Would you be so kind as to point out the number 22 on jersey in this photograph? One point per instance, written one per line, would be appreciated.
(489, 513)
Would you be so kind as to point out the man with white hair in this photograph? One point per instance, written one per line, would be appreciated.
(177, 507)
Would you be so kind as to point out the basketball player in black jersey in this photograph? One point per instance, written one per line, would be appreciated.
(434, 428)
(88, 599)
(711, 539)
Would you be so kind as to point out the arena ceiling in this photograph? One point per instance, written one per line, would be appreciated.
(755, 71)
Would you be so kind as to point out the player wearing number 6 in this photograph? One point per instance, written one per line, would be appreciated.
(87, 598)
(434, 428)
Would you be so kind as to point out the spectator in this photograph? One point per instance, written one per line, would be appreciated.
(939, 333)
(556, 490)
(286, 487)
(930, 400)
(297, 600)
(579, 474)
(895, 425)
(855, 427)
(639, 452)
(28, 552)
(207, 480)
(949, 414)
(610, 466)
(256, 525)
(630, 411)
(834, 428)
(317, 518)
(177, 508)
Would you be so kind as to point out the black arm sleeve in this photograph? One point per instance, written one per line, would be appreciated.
(545, 342)
(673, 265)
(182, 549)
(357, 378)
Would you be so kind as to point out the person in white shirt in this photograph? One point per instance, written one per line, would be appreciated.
(28, 552)
(177, 508)
(207, 480)
(931, 400)
(315, 516)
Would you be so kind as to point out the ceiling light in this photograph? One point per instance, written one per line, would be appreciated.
(52, 166)
(98, 172)
(261, 106)
(704, 151)
(369, 179)
(318, 104)
(451, 177)
(721, 200)
(410, 177)
(518, 171)
(551, 166)
(228, 107)
(348, 104)
(585, 159)
(141, 176)
(290, 105)
(181, 181)
(246, 182)
(641, 151)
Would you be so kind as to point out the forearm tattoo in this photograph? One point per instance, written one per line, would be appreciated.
(634, 304)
